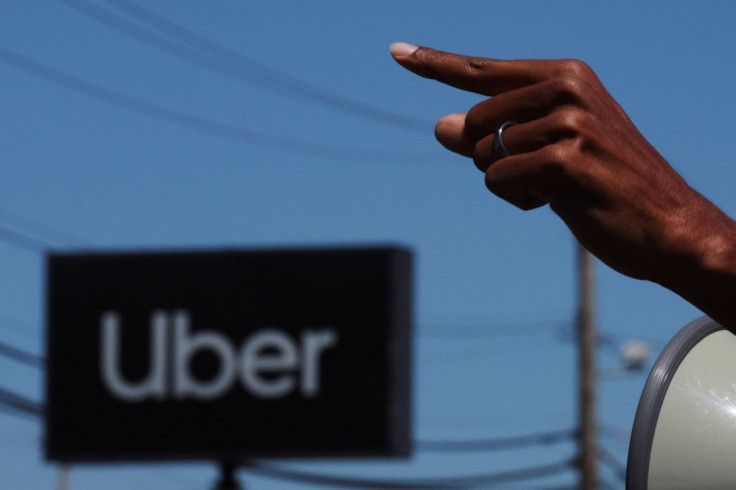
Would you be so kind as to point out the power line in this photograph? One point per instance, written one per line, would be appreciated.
(29, 238)
(25, 406)
(36, 228)
(19, 403)
(486, 481)
(613, 340)
(507, 329)
(491, 335)
(441, 446)
(20, 355)
(485, 445)
(490, 352)
(615, 433)
(224, 61)
(608, 459)
(21, 240)
(8, 410)
(23, 356)
(516, 442)
(209, 126)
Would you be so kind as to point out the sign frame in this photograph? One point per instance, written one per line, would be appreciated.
(63, 431)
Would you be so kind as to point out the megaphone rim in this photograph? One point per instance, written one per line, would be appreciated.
(652, 397)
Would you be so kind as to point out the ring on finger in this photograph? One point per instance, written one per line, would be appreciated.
(498, 147)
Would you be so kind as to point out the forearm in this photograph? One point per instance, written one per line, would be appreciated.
(706, 277)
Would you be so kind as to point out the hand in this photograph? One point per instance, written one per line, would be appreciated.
(574, 148)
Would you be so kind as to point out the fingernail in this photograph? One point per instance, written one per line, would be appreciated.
(403, 49)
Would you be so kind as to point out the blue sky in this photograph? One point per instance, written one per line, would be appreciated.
(494, 285)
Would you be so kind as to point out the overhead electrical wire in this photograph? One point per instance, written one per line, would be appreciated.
(496, 329)
(609, 460)
(234, 65)
(33, 359)
(487, 337)
(209, 126)
(613, 340)
(32, 227)
(8, 410)
(616, 433)
(476, 481)
(485, 445)
(18, 403)
(14, 403)
(19, 355)
(445, 446)
(267, 81)
(23, 241)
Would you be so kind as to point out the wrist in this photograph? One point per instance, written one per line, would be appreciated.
(716, 255)
(706, 274)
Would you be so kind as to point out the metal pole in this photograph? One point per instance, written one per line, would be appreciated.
(227, 480)
(586, 335)
(63, 480)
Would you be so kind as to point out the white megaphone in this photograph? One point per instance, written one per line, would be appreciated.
(684, 434)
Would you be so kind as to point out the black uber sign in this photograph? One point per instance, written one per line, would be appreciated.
(228, 354)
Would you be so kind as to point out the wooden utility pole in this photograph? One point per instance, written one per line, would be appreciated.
(586, 336)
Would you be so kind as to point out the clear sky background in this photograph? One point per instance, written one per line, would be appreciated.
(236, 159)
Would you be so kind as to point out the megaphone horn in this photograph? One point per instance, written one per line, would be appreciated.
(684, 434)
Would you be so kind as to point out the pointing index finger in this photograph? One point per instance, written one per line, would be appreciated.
(484, 76)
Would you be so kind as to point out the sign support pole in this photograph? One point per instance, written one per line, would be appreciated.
(227, 480)
(63, 480)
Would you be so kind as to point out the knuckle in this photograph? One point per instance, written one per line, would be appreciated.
(556, 158)
(569, 86)
(575, 68)
(572, 121)
(476, 64)
(552, 171)
(573, 78)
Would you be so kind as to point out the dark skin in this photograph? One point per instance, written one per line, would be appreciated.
(576, 150)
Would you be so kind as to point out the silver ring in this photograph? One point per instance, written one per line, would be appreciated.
(498, 146)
